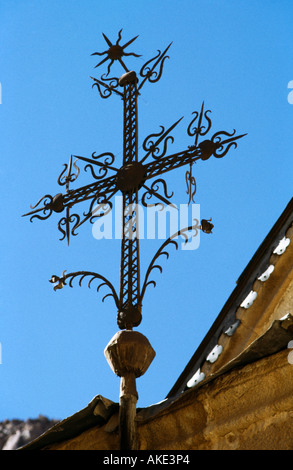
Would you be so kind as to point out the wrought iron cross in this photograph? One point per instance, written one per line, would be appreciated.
(132, 176)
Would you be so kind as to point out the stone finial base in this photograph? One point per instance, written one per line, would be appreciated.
(129, 355)
(129, 351)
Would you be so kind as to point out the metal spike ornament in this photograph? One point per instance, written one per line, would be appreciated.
(129, 352)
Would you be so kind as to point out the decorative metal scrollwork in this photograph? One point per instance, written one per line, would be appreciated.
(220, 150)
(199, 129)
(183, 232)
(104, 166)
(154, 191)
(196, 130)
(191, 185)
(108, 161)
(47, 206)
(153, 148)
(149, 73)
(66, 222)
(60, 282)
(130, 178)
(216, 146)
(106, 89)
(102, 204)
(70, 177)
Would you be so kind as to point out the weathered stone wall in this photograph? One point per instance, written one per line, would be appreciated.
(249, 408)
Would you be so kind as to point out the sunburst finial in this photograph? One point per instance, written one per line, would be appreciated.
(115, 52)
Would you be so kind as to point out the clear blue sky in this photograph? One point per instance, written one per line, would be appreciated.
(237, 56)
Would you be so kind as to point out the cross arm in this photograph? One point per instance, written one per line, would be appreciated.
(50, 204)
(171, 162)
(216, 147)
(99, 189)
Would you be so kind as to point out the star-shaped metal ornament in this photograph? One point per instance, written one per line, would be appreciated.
(116, 52)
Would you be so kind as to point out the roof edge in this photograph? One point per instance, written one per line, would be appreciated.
(227, 317)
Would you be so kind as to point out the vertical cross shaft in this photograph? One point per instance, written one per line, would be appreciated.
(129, 314)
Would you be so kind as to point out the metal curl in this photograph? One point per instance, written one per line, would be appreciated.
(60, 282)
(152, 266)
(102, 203)
(149, 73)
(113, 81)
(151, 282)
(62, 179)
(220, 150)
(37, 216)
(199, 129)
(145, 70)
(158, 75)
(107, 161)
(148, 195)
(196, 227)
(104, 93)
(47, 207)
(104, 89)
(107, 295)
(62, 222)
(77, 171)
(66, 221)
(104, 165)
(153, 147)
(217, 136)
(104, 208)
(155, 187)
(153, 191)
(157, 266)
(149, 144)
(81, 279)
(102, 171)
(193, 131)
(100, 285)
(42, 199)
(71, 219)
(220, 155)
(191, 185)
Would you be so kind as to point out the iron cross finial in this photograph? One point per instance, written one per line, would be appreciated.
(130, 178)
